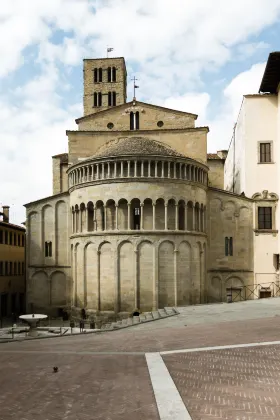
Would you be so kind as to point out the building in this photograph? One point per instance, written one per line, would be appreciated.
(138, 217)
(252, 168)
(12, 266)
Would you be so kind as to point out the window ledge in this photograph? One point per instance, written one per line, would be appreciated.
(266, 163)
(266, 231)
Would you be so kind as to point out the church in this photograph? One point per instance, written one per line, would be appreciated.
(139, 216)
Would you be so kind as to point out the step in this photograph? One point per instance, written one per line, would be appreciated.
(149, 316)
(136, 320)
(129, 321)
(142, 317)
(169, 311)
(155, 315)
(162, 312)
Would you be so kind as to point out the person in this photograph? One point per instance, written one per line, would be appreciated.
(82, 325)
(83, 314)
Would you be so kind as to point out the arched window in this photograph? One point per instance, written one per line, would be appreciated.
(95, 75)
(109, 99)
(100, 75)
(114, 99)
(109, 74)
(99, 99)
(131, 121)
(114, 74)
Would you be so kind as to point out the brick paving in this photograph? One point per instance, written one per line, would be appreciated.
(85, 388)
(239, 384)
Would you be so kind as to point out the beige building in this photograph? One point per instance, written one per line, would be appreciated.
(12, 266)
(138, 217)
(252, 168)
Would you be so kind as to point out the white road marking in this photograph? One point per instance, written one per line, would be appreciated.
(169, 402)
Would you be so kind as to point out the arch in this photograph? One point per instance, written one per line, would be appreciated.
(48, 225)
(107, 277)
(146, 275)
(166, 282)
(160, 214)
(126, 258)
(110, 214)
(34, 238)
(91, 279)
(137, 213)
(215, 289)
(58, 289)
(91, 216)
(148, 214)
(171, 217)
(61, 218)
(40, 292)
(184, 274)
(235, 290)
(122, 214)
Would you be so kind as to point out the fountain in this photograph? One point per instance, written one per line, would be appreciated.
(32, 320)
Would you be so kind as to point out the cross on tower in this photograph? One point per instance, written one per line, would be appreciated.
(134, 87)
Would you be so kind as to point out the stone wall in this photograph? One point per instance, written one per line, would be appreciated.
(229, 215)
(190, 142)
(216, 173)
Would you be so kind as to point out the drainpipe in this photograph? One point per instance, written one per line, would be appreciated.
(233, 172)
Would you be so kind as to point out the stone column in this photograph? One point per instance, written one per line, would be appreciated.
(109, 172)
(86, 221)
(155, 288)
(73, 221)
(115, 170)
(165, 216)
(180, 170)
(186, 217)
(81, 220)
(105, 217)
(149, 168)
(199, 221)
(162, 169)
(142, 168)
(193, 216)
(121, 169)
(136, 286)
(203, 221)
(190, 173)
(98, 280)
(117, 207)
(168, 170)
(128, 216)
(103, 171)
(185, 169)
(154, 216)
(97, 170)
(175, 277)
(156, 165)
(92, 172)
(142, 217)
(77, 221)
(174, 170)
(176, 217)
(135, 168)
(128, 168)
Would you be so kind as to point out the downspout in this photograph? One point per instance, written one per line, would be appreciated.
(233, 172)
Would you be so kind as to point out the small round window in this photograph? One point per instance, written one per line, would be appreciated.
(160, 124)
(110, 126)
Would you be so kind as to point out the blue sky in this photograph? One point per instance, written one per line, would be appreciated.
(198, 56)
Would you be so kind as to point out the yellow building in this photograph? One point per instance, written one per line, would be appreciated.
(12, 266)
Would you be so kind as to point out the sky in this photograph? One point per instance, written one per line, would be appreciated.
(199, 56)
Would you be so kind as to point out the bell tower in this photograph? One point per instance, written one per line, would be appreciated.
(104, 84)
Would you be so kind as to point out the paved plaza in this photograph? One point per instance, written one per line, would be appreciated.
(217, 361)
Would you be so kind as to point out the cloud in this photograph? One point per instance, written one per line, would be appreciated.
(170, 46)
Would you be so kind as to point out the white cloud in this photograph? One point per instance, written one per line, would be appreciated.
(170, 43)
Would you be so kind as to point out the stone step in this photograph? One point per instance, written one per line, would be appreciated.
(136, 320)
(129, 321)
(142, 317)
(162, 313)
(169, 310)
(155, 315)
(149, 316)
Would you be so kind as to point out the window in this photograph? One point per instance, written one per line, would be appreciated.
(18, 240)
(111, 74)
(1, 268)
(6, 268)
(97, 75)
(11, 268)
(11, 238)
(112, 98)
(228, 246)
(48, 249)
(19, 273)
(160, 123)
(136, 219)
(265, 152)
(6, 237)
(1, 236)
(97, 99)
(265, 217)
(134, 120)
(15, 239)
(15, 269)
(110, 126)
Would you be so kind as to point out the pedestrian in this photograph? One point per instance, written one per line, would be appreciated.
(82, 325)
(83, 314)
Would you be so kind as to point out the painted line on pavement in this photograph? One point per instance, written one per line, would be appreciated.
(233, 346)
(169, 402)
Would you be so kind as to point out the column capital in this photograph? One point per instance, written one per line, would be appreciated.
(141, 204)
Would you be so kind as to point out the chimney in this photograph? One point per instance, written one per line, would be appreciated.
(6, 214)
(222, 154)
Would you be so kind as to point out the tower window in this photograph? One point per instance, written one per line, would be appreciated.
(97, 99)
(114, 74)
(265, 217)
(109, 98)
(100, 75)
(95, 75)
(111, 74)
(112, 98)
(136, 219)
(134, 121)
(48, 249)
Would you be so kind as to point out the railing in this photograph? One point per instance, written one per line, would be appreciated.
(249, 292)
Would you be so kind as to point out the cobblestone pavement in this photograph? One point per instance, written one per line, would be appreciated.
(85, 388)
(239, 384)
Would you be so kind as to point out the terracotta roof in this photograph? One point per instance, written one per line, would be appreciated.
(139, 146)
(213, 156)
(12, 226)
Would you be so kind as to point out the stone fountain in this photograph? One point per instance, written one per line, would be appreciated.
(33, 320)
